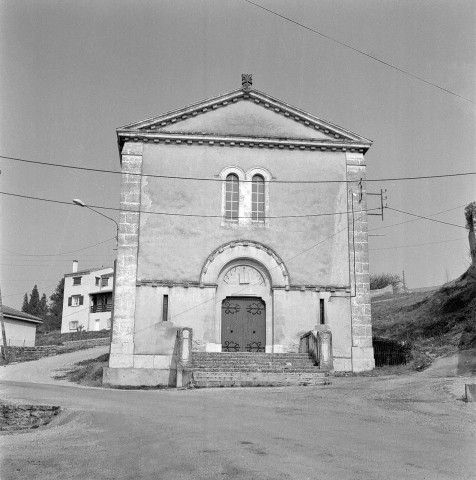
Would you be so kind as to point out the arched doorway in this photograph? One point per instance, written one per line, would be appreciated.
(244, 269)
(243, 324)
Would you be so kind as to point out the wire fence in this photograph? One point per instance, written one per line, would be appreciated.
(390, 352)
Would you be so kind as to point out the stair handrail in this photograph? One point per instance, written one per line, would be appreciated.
(318, 345)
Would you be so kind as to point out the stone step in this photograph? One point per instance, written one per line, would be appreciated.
(247, 374)
(249, 354)
(251, 362)
(257, 370)
(257, 379)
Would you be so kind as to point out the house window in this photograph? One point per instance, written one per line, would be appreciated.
(75, 300)
(76, 280)
(97, 281)
(232, 200)
(257, 198)
(73, 325)
(104, 281)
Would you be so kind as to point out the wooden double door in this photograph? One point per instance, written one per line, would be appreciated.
(243, 324)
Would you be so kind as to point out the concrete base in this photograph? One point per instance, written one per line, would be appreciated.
(139, 377)
(342, 364)
(362, 359)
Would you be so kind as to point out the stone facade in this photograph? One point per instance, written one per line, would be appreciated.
(180, 258)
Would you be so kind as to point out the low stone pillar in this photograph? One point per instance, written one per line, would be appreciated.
(184, 351)
(325, 349)
(470, 392)
(324, 338)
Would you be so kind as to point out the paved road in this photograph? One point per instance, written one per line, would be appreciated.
(357, 428)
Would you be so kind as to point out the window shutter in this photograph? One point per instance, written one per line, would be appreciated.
(81, 300)
(69, 301)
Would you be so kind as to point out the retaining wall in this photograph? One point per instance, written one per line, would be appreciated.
(25, 354)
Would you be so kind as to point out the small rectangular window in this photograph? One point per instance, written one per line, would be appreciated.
(76, 280)
(73, 325)
(76, 300)
(104, 281)
(165, 308)
(322, 317)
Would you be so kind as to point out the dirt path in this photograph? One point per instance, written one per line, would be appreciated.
(45, 369)
(368, 428)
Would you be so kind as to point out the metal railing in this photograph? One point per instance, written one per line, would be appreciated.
(101, 308)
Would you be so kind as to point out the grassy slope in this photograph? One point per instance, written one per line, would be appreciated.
(437, 323)
(87, 372)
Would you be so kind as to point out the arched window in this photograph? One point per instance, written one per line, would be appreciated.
(232, 199)
(257, 198)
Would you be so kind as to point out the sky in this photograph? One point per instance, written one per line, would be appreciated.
(71, 72)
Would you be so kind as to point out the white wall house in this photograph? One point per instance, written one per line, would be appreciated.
(87, 303)
(20, 327)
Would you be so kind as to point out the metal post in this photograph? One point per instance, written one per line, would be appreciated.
(4, 335)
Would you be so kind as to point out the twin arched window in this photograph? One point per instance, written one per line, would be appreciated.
(232, 198)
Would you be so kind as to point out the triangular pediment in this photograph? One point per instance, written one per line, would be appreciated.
(243, 114)
(245, 118)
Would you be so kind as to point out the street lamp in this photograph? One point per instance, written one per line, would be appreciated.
(79, 202)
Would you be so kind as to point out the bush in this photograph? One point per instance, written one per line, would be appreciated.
(382, 280)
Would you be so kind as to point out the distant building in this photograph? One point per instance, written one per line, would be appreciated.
(87, 303)
(20, 327)
(271, 245)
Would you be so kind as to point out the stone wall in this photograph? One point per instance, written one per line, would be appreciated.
(20, 417)
(25, 354)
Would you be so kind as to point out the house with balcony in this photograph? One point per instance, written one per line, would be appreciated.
(87, 303)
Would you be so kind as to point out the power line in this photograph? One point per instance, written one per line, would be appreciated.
(56, 254)
(416, 244)
(425, 218)
(22, 293)
(245, 288)
(361, 52)
(180, 214)
(415, 219)
(205, 179)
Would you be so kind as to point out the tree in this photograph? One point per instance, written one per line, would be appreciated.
(382, 280)
(25, 307)
(34, 306)
(56, 307)
(470, 215)
(43, 307)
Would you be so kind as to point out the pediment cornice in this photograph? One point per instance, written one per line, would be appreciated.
(150, 130)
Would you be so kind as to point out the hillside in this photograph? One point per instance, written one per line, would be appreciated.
(437, 323)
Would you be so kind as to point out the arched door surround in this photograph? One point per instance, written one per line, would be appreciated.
(264, 255)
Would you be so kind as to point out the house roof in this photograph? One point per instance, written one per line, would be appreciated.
(241, 117)
(86, 272)
(14, 314)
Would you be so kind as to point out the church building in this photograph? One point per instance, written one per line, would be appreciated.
(243, 221)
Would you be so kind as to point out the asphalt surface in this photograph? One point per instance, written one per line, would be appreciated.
(404, 427)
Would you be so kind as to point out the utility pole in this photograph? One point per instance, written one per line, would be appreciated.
(4, 335)
(383, 200)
